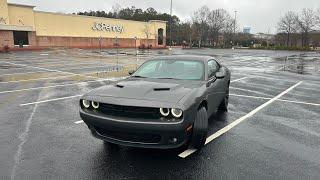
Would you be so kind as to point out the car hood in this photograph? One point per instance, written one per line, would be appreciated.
(162, 90)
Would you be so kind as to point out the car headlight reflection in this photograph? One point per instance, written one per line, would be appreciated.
(164, 112)
(177, 113)
(95, 105)
(86, 103)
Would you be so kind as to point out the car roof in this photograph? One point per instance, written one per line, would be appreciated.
(184, 57)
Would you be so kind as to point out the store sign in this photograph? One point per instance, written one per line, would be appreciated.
(107, 27)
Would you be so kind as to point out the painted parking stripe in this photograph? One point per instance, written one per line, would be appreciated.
(254, 97)
(51, 70)
(63, 64)
(187, 153)
(239, 79)
(282, 100)
(51, 100)
(299, 102)
(45, 78)
(236, 61)
(10, 74)
(264, 77)
(78, 122)
(90, 67)
(280, 68)
(251, 91)
(238, 121)
(46, 87)
(60, 85)
(23, 65)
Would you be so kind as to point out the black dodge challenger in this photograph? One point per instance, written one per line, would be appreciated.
(164, 104)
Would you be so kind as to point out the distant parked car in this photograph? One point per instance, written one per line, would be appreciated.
(164, 104)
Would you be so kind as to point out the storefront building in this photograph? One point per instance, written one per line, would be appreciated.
(21, 25)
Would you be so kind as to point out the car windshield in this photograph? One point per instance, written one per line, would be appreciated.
(171, 69)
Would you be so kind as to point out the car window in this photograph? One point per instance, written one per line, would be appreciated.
(213, 67)
(172, 69)
(150, 67)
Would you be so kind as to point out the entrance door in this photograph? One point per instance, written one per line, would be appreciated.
(160, 36)
(20, 38)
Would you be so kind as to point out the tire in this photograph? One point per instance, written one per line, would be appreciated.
(223, 107)
(111, 145)
(200, 129)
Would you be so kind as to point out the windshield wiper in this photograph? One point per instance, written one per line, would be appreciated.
(166, 78)
(137, 76)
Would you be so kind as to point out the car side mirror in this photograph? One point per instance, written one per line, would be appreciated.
(131, 72)
(221, 74)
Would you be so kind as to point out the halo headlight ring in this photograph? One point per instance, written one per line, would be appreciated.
(95, 105)
(177, 113)
(85, 103)
(164, 112)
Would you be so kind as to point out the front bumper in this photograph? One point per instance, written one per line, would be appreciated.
(135, 133)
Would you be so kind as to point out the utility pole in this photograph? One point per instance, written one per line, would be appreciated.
(268, 36)
(234, 28)
(170, 25)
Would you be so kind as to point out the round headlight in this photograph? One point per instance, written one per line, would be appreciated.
(164, 111)
(176, 112)
(95, 104)
(86, 103)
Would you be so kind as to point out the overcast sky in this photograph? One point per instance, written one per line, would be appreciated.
(260, 15)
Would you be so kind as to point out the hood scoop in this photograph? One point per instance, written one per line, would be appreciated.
(161, 89)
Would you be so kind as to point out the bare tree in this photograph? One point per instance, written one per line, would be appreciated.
(200, 19)
(186, 33)
(116, 10)
(219, 22)
(306, 22)
(228, 30)
(288, 25)
(147, 32)
(318, 17)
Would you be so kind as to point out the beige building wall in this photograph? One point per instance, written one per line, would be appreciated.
(4, 17)
(21, 15)
(54, 24)
(45, 29)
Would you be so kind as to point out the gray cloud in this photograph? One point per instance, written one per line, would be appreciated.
(260, 15)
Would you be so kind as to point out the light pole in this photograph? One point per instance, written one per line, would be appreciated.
(170, 34)
(135, 48)
(235, 21)
(234, 28)
(117, 44)
(135, 45)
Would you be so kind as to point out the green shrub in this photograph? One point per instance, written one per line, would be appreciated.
(293, 48)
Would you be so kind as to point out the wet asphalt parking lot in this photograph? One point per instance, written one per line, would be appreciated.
(272, 129)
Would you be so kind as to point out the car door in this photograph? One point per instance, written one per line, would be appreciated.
(215, 89)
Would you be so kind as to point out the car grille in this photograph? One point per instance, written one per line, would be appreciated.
(131, 137)
(129, 111)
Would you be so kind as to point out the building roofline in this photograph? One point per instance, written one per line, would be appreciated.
(16, 28)
(24, 5)
(161, 21)
(95, 17)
